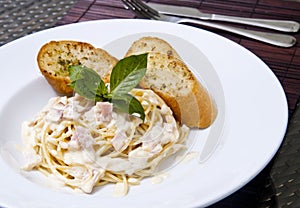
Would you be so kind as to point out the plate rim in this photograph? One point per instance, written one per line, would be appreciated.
(132, 21)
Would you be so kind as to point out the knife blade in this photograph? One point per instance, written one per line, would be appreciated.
(280, 25)
(180, 11)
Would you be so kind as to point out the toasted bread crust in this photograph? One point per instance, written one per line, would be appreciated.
(170, 78)
(151, 44)
(55, 57)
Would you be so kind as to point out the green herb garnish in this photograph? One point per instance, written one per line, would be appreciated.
(126, 75)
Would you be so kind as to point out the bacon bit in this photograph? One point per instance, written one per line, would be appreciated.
(83, 137)
(120, 142)
(103, 112)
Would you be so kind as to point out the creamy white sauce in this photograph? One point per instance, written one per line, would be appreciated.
(78, 151)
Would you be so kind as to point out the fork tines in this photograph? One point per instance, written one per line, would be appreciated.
(141, 9)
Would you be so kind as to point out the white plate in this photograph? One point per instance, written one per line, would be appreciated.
(250, 126)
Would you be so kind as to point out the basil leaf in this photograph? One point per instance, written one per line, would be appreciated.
(124, 77)
(127, 73)
(87, 83)
(129, 104)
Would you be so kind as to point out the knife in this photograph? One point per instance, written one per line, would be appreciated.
(280, 25)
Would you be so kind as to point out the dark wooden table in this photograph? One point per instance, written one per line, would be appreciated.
(278, 185)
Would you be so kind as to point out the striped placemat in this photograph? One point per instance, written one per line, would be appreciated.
(277, 185)
(285, 62)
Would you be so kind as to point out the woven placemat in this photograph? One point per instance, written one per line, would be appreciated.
(22, 17)
(277, 185)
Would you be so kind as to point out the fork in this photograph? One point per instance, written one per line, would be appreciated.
(144, 11)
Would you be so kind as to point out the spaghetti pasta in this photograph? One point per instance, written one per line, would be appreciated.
(85, 144)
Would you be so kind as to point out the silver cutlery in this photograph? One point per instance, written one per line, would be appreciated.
(144, 11)
(280, 25)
